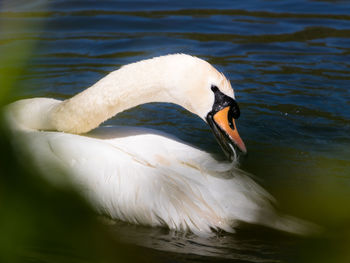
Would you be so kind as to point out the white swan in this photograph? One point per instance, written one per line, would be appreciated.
(141, 176)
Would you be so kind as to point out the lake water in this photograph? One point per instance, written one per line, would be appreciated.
(289, 64)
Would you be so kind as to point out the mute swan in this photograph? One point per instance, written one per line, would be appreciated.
(141, 176)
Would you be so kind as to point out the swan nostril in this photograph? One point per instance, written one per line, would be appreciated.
(230, 118)
(234, 111)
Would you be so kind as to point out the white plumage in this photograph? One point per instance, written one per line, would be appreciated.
(140, 175)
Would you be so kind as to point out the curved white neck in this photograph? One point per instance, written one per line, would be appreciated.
(162, 79)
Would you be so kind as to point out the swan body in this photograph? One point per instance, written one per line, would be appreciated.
(140, 175)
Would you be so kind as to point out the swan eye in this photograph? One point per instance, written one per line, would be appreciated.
(214, 88)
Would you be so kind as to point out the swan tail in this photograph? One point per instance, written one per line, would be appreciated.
(290, 224)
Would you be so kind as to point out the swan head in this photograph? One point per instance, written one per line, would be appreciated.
(210, 96)
(221, 119)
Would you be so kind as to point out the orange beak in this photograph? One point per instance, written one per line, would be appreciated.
(228, 126)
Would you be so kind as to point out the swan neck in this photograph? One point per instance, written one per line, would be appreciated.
(153, 80)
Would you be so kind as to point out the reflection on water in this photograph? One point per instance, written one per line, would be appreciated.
(288, 62)
(247, 246)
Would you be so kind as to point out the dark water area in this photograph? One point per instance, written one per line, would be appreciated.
(289, 64)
